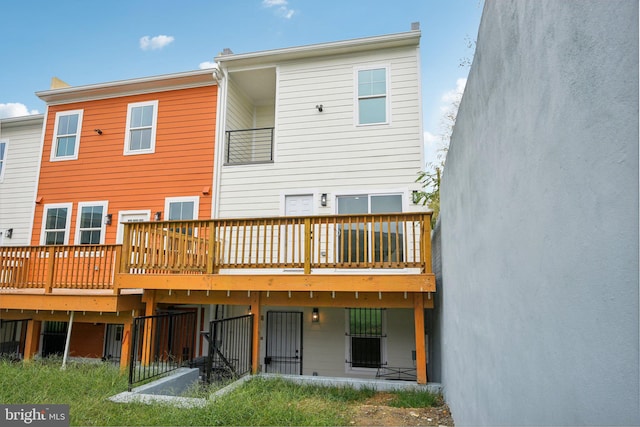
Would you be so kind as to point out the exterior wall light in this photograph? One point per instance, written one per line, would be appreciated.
(107, 219)
(323, 199)
(315, 315)
(8, 233)
(157, 216)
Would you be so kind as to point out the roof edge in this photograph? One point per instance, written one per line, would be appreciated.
(408, 38)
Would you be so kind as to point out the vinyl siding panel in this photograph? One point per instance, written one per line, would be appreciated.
(17, 188)
(326, 150)
(182, 164)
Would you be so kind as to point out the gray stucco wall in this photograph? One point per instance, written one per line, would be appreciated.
(539, 216)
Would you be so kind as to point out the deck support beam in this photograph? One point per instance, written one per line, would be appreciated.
(149, 298)
(255, 344)
(125, 352)
(32, 339)
(421, 354)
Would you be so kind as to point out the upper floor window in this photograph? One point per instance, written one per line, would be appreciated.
(66, 135)
(140, 136)
(55, 224)
(372, 96)
(3, 158)
(90, 228)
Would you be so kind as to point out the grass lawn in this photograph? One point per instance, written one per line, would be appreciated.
(265, 402)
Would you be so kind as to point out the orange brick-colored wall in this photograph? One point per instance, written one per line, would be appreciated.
(182, 164)
(87, 340)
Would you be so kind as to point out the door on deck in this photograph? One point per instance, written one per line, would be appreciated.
(284, 343)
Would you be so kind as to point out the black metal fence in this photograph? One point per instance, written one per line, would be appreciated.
(249, 146)
(160, 344)
(230, 348)
(12, 338)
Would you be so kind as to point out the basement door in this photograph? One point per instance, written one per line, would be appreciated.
(284, 343)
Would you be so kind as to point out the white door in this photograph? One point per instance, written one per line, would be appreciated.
(300, 205)
(130, 216)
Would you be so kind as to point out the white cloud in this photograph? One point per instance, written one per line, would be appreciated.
(454, 95)
(153, 43)
(282, 7)
(15, 109)
(207, 64)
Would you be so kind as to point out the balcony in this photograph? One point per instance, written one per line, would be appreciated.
(249, 146)
(372, 253)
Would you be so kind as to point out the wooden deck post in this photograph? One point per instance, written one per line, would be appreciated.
(307, 245)
(125, 352)
(116, 267)
(33, 339)
(426, 243)
(51, 270)
(255, 345)
(421, 354)
(149, 298)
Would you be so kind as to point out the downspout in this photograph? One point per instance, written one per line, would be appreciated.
(66, 345)
(221, 115)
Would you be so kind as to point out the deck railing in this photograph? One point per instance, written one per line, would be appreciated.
(63, 267)
(376, 241)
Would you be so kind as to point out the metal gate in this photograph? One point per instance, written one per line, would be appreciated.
(160, 344)
(230, 348)
(12, 338)
(54, 338)
(284, 343)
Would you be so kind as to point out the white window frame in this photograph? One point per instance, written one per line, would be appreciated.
(169, 200)
(154, 125)
(103, 226)
(43, 231)
(347, 347)
(54, 144)
(3, 159)
(387, 95)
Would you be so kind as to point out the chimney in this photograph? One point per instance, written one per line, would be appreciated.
(415, 26)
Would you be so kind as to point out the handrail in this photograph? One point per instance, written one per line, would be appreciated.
(58, 267)
(305, 243)
(373, 241)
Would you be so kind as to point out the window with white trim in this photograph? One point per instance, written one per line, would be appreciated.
(3, 158)
(90, 226)
(365, 334)
(66, 135)
(177, 208)
(56, 220)
(140, 137)
(372, 96)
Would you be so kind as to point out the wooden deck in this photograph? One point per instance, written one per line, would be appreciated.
(361, 253)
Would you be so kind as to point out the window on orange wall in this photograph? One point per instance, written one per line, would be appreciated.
(90, 226)
(56, 220)
(140, 137)
(66, 135)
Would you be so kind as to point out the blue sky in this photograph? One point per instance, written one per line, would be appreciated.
(95, 41)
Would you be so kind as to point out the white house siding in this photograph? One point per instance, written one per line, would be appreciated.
(325, 345)
(17, 187)
(325, 152)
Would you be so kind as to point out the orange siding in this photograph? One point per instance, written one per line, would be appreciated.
(87, 340)
(182, 164)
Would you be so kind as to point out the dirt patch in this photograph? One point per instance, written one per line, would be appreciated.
(376, 412)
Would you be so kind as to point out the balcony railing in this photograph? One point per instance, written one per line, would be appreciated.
(58, 267)
(378, 241)
(249, 146)
(300, 244)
